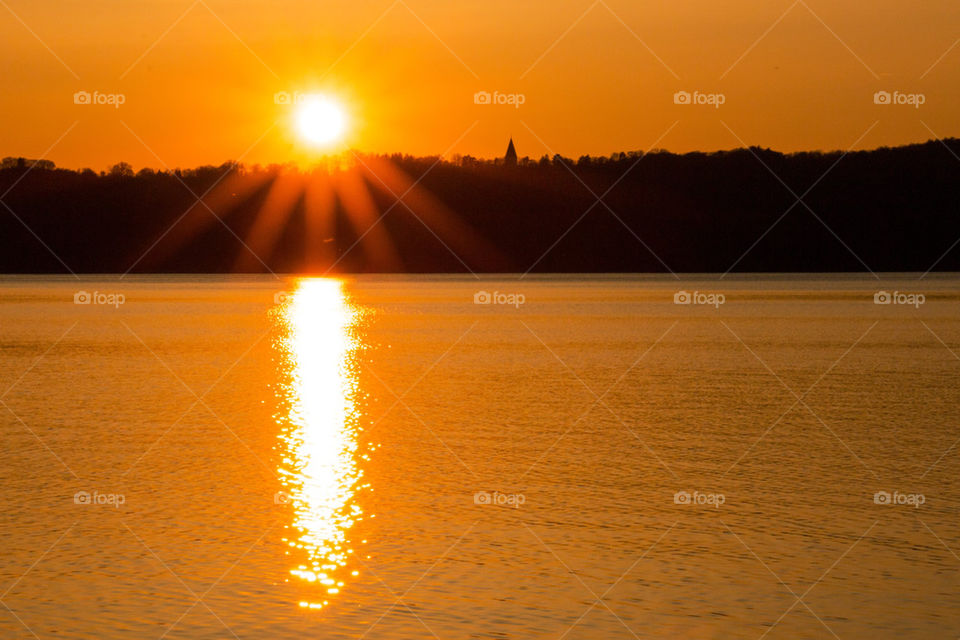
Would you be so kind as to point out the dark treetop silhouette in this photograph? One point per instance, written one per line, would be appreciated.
(886, 210)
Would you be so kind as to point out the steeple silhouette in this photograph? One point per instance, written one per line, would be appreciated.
(511, 158)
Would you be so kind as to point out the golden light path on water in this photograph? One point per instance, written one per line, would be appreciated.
(320, 467)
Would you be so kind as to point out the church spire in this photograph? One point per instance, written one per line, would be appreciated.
(511, 158)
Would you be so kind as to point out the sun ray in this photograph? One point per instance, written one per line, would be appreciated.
(226, 197)
(362, 213)
(466, 244)
(319, 203)
(282, 198)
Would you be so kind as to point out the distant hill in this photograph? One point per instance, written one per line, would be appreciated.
(889, 209)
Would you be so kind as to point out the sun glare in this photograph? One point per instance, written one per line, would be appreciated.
(320, 120)
(320, 470)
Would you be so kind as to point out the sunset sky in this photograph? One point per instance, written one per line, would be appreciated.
(198, 77)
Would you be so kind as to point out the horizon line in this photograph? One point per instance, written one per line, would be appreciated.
(338, 156)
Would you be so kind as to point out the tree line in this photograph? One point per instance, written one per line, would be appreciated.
(745, 210)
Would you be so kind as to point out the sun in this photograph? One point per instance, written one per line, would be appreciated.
(321, 121)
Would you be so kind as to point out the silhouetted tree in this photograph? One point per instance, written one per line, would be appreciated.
(122, 170)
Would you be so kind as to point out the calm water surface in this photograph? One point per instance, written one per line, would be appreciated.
(385, 458)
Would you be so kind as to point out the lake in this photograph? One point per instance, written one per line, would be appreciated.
(413, 457)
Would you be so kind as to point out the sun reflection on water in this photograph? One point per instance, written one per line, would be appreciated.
(319, 465)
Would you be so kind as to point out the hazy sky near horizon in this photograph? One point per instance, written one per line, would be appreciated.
(199, 77)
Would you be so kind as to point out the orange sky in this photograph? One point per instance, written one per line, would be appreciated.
(199, 76)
